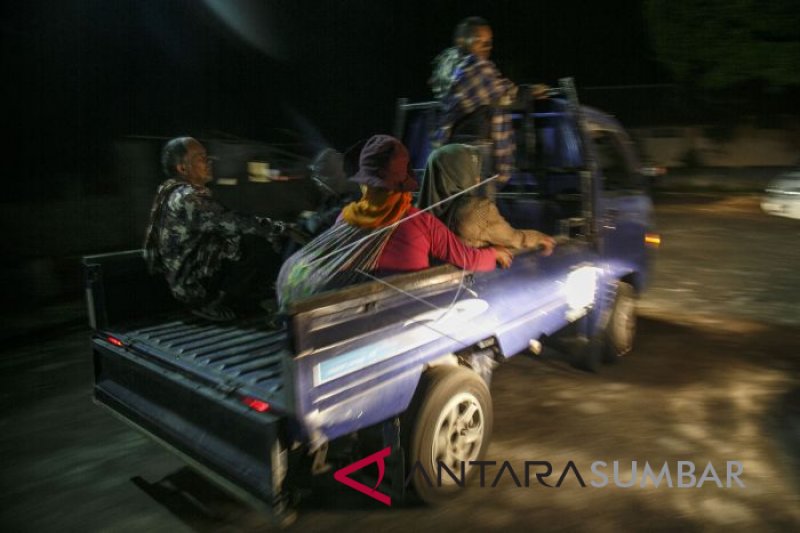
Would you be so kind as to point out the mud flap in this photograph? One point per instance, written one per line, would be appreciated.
(396, 462)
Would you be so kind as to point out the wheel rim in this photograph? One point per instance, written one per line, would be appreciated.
(624, 326)
(458, 435)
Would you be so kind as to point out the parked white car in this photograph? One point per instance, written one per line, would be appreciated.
(782, 197)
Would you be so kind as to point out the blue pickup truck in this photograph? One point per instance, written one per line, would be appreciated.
(404, 362)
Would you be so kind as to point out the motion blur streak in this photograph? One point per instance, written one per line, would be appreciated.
(246, 18)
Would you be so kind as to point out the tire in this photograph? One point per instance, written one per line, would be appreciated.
(620, 331)
(452, 423)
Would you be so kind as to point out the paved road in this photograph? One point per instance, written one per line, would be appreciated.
(714, 378)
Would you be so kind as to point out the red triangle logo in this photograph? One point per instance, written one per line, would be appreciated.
(342, 474)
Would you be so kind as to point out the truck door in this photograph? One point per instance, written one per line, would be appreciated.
(623, 205)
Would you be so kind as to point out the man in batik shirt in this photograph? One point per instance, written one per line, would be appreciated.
(470, 87)
(211, 257)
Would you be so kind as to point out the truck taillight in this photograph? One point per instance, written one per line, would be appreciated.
(115, 341)
(255, 404)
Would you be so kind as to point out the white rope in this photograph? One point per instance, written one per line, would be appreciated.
(404, 219)
(432, 306)
(398, 289)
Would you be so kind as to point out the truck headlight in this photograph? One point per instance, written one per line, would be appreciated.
(580, 287)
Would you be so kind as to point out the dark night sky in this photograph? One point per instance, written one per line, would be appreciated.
(79, 73)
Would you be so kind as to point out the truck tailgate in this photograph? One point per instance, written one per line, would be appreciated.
(213, 392)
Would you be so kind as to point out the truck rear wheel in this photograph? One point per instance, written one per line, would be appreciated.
(451, 427)
(621, 328)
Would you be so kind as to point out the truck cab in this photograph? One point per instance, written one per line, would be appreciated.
(578, 177)
(577, 174)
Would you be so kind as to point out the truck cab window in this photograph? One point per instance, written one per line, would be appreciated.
(617, 175)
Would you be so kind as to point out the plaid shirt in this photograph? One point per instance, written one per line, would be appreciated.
(475, 83)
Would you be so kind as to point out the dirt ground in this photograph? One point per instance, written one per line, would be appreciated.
(713, 378)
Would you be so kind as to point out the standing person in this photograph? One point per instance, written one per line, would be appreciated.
(212, 258)
(469, 85)
(379, 234)
(452, 170)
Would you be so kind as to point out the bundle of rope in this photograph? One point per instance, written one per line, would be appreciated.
(334, 259)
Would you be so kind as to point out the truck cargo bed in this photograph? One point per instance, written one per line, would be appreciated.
(215, 393)
(245, 353)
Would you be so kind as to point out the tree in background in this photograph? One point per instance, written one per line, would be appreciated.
(719, 46)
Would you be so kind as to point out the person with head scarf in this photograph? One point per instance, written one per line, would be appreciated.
(449, 174)
(381, 233)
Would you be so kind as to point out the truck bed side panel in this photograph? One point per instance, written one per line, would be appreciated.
(359, 359)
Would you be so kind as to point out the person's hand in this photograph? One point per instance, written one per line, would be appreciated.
(503, 256)
(546, 245)
(540, 91)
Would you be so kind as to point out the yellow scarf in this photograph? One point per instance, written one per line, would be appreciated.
(378, 208)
